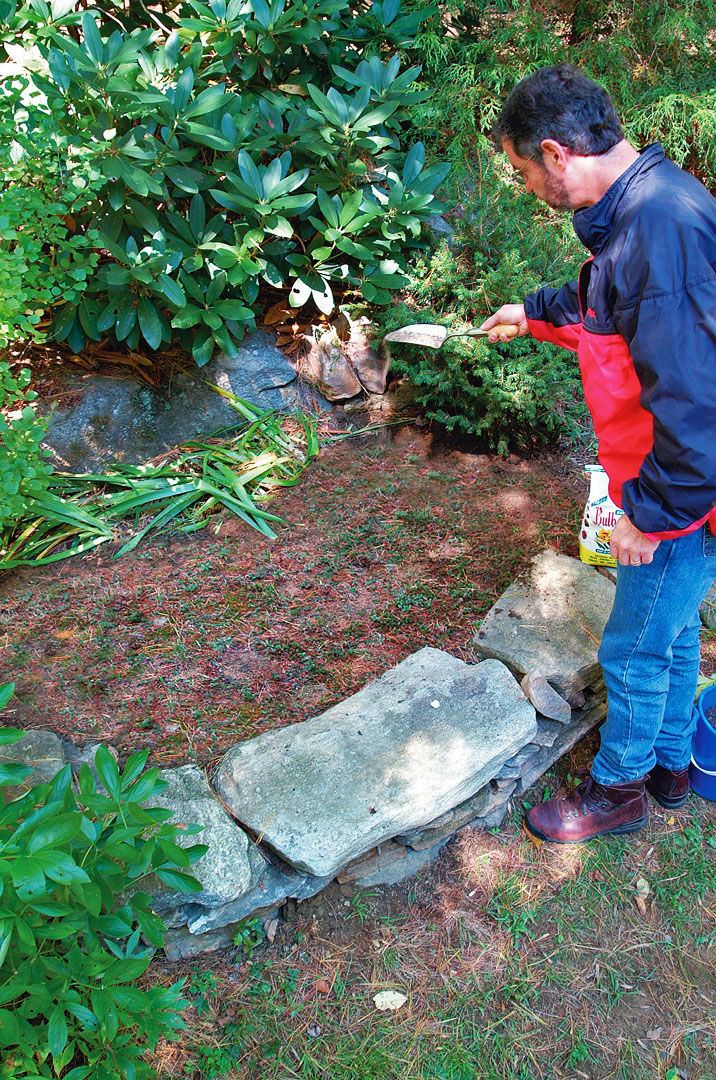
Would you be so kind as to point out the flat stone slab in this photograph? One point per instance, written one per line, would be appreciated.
(545, 756)
(402, 869)
(404, 750)
(273, 888)
(550, 621)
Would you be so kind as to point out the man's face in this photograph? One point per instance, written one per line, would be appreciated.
(538, 179)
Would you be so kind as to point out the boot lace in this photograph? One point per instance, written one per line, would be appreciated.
(589, 796)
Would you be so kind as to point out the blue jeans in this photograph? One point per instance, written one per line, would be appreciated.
(650, 657)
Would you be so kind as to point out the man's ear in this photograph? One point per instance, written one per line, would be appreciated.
(554, 154)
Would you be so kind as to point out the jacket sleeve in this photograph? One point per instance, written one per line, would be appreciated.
(553, 315)
(672, 340)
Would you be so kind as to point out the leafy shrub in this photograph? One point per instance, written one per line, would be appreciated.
(515, 396)
(658, 64)
(24, 472)
(43, 263)
(72, 920)
(241, 143)
(511, 397)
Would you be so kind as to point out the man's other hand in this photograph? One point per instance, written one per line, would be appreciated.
(512, 314)
(629, 546)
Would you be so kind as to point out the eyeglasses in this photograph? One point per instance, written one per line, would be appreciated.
(519, 173)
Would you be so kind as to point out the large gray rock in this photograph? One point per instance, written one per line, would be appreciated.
(550, 621)
(40, 749)
(404, 750)
(121, 420)
(229, 869)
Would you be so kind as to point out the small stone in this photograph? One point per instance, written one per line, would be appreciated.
(77, 757)
(271, 930)
(314, 1030)
(181, 945)
(230, 867)
(389, 1000)
(412, 864)
(338, 380)
(368, 364)
(440, 228)
(545, 699)
(548, 731)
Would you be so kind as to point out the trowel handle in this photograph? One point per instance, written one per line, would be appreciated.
(510, 330)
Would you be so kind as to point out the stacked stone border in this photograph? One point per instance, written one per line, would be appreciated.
(370, 791)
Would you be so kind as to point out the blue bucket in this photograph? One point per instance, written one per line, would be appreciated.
(702, 770)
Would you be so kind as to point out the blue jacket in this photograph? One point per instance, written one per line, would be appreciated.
(642, 319)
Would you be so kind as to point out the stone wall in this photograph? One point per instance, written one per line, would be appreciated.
(369, 791)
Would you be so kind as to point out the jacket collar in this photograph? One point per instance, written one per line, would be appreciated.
(594, 224)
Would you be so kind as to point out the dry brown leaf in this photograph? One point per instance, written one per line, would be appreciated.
(323, 986)
(276, 313)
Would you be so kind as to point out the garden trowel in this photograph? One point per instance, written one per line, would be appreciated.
(432, 336)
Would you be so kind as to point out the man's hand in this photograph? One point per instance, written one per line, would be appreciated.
(512, 314)
(629, 546)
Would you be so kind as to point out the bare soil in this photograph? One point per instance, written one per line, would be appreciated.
(187, 645)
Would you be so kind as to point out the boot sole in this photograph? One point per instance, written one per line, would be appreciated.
(538, 838)
(669, 802)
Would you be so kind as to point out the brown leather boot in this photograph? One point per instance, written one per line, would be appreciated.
(588, 811)
(669, 788)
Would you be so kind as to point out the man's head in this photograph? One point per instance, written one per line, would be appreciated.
(550, 119)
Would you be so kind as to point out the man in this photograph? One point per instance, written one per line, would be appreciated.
(642, 319)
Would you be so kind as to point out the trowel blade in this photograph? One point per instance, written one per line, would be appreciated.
(428, 334)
